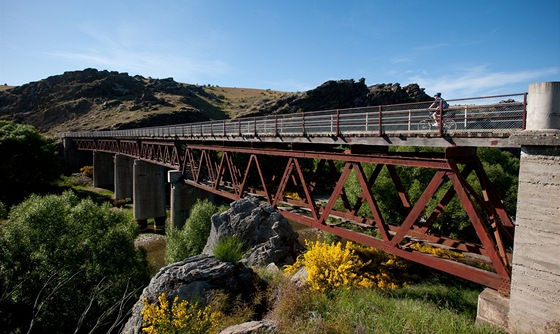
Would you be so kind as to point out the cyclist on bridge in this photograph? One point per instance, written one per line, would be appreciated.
(438, 100)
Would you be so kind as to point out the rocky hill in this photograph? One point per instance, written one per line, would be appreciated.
(103, 100)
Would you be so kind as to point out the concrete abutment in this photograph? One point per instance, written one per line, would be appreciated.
(534, 301)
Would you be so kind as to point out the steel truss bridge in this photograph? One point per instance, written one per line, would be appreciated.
(301, 163)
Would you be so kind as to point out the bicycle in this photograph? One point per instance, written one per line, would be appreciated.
(448, 123)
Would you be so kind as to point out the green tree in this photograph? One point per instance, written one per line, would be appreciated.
(29, 161)
(67, 263)
(191, 239)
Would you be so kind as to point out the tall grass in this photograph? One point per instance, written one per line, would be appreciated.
(229, 249)
(424, 308)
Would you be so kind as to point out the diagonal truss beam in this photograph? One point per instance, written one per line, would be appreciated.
(234, 178)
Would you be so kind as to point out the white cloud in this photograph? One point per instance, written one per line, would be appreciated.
(147, 64)
(127, 47)
(479, 81)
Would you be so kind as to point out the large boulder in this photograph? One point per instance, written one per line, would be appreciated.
(266, 234)
(195, 279)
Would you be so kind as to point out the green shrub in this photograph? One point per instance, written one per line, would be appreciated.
(229, 249)
(67, 263)
(29, 162)
(3, 211)
(191, 239)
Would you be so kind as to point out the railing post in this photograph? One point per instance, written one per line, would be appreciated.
(239, 128)
(409, 119)
(440, 123)
(380, 120)
(276, 125)
(367, 114)
(255, 127)
(524, 117)
(466, 115)
(302, 123)
(337, 123)
(224, 128)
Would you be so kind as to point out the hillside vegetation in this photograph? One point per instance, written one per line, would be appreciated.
(107, 100)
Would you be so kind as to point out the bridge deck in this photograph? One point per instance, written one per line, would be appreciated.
(473, 122)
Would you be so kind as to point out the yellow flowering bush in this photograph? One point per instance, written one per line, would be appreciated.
(87, 171)
(332, 266)
(439, 252)
(180, 317)
(292, 195)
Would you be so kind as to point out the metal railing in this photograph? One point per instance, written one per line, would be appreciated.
(501, 114)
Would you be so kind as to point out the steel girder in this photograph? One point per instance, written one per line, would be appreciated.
(228, 176)
(293, 189)
(164, 153)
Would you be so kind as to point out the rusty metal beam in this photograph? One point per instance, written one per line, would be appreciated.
(486, 212)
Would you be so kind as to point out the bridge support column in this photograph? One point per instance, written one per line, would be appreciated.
(179, 199)
(183, 197)
(123, 176)
(534, 304)
(149, 194)
(103, 170)
(73, 157)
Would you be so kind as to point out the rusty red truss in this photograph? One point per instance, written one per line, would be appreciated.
(294, 189)
(164, 153)
(310, 185)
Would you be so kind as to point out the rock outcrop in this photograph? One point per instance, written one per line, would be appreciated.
(268, 238)
(195, 279)
(267, 235)
(90, 99)
(339, 95)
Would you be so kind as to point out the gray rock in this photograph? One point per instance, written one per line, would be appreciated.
(267, 235)
(194, 279)
(260, 327)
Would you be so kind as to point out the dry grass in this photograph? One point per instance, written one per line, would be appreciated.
(236, 101)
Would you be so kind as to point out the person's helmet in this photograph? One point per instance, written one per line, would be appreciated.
(438, 94)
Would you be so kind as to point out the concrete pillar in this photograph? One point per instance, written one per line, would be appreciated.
(103, 170)
(123, 176)
(74, 158)
(534, 304)
(183, 197)
(149, 194)
(178, 198)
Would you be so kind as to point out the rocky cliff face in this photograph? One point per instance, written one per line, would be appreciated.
(102, 100)
(339, 95)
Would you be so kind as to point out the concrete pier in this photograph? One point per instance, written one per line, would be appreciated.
(123, 177)
(178, 198)
(74, 158)
(183, 197)
(534, 303)
(103, 171)
(149, 194)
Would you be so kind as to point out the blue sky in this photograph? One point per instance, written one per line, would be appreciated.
(461, 48)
